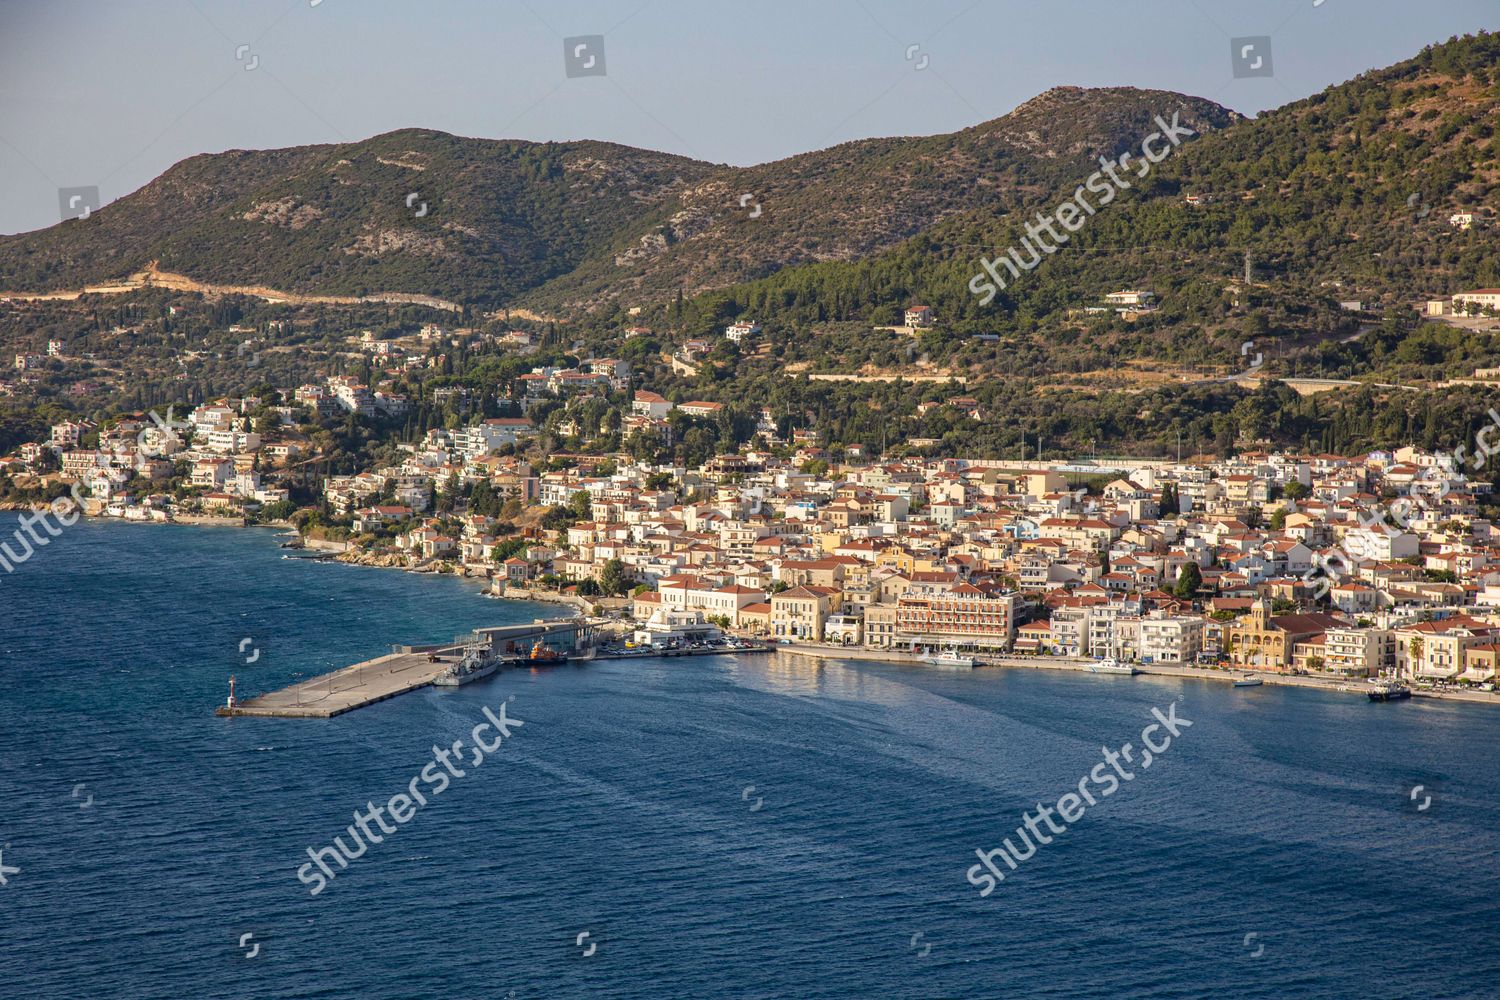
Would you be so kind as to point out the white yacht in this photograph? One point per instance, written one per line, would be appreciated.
(950, 660)
(1110, 665)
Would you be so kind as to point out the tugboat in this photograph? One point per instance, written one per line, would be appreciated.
(1390, 692)
(950, 660)
(476, 664)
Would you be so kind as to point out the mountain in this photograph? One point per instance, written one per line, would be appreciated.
(857, 198)
(1345, 195)
(410, 211)
(568, 225)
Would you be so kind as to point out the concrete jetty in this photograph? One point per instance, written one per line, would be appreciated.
(407, 668)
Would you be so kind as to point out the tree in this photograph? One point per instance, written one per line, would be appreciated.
(1169, 503)
(1188, 581)
(580, 504)
(612, 578)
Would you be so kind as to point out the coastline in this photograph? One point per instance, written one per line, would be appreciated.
(1354, 686)
(326, 550)
(338, 552)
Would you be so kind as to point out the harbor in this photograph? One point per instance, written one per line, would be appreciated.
(409, 668)
(467, 658)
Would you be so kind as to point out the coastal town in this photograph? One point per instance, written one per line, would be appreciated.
(1374, 565)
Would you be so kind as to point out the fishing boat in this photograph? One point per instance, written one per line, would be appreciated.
(1390, 692)
(1110, 665)
(1248, 681)
(950, 660)
(476, 664)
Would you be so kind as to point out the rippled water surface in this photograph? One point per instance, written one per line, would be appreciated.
(1275, 850)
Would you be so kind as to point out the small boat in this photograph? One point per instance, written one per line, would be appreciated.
(541, 653)
(1110, 665)
(1248, 681)
(1390, 692)
(949, 660)
(475, 665)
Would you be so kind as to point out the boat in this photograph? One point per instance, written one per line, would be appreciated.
(1248, 681)
(1110, 665)
(1390, 692)
(541, 653)
(950, 660)
(476, 664)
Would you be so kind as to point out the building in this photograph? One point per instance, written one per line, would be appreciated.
(802, 612)
(666, 627)
(699, 408)
(1483, 298)
(650, 405)
(1130, 297)
(229, 441)
(1170, 638)
(1267, 642)
(737, 332)
(1358, 652)
(355, 398)
(918, 317)
(1436, 650)
(68, 433)
(967, 616)
(880, 626)
(489, 435)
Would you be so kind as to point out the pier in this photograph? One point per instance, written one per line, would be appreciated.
(408, 668)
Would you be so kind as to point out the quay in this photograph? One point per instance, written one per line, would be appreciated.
(408, 668)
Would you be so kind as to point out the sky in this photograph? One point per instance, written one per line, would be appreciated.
(108, 94)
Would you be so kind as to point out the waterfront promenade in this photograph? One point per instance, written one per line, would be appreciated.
(1347, 685)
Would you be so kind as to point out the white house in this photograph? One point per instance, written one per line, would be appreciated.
(1130, 297)
(1484, 298)
(649, 404)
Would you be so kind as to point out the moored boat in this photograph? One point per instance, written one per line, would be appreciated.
(1248, 681)
(1110, 665)
(542, 653)
(476, 664)
(1390, 692)
(950, 660)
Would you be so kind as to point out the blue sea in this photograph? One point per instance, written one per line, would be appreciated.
(762, 826)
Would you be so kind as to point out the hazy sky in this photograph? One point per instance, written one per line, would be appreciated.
(110, 93)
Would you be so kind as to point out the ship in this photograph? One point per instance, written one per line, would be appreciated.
(476, 664)
(1390, 692)
(1248, 681)
(1110, 665)
(950, 660)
